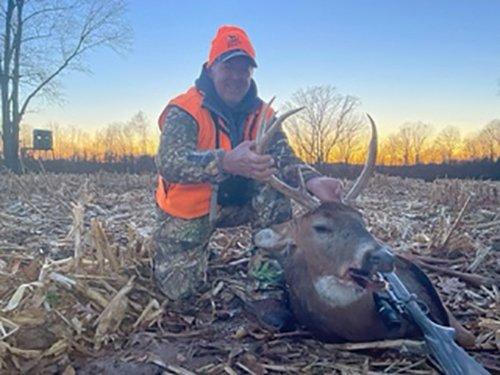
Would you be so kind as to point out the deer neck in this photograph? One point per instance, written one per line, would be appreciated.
(334, 291)
(337, 293)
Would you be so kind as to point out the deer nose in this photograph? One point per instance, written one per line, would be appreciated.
(380, 259)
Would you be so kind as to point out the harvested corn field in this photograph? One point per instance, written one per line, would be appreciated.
(76, 293)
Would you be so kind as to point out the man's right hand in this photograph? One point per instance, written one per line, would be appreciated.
(244, 161)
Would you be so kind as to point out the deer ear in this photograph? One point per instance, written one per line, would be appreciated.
(269, 239)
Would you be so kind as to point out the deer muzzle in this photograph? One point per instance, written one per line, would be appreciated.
(380, 259)
(375, 260)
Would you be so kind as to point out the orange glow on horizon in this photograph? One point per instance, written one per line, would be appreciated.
(138, 137)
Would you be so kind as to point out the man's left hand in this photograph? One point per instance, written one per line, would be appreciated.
(327, 189)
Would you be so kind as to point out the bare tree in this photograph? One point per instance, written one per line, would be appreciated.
(116, 141)
(352, 141)
(472, 147)
(327, 118)
(56, 134)
(412, 139)
(141, 126)
(447, 143)
(40, 40)
(489, 137)
(404, 141)
(392, 150)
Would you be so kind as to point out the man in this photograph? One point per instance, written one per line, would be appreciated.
(207, 139)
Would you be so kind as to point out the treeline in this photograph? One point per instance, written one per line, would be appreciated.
(330, 129)
(136, 136)
(416, 143)
(412, 143)
(476, 169)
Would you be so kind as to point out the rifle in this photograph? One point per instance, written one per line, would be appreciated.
(439, 339)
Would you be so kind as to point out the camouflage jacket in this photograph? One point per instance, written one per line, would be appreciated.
(179, 161)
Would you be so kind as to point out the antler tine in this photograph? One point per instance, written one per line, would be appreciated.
(268, 133)
(261, 120)
(299, 194)
(301, 179)
(368, 169)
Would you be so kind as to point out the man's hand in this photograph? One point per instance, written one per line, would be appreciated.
(327, 189)
(244, 161)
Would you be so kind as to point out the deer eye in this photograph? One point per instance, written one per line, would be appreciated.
(322, 229)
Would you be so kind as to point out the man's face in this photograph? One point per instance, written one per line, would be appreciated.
(232, 79)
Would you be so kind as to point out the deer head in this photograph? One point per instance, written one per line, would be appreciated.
(332, 236)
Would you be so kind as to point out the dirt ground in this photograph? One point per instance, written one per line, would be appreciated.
(76, 294)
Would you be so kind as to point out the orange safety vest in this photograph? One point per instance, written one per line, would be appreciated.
(189, 201)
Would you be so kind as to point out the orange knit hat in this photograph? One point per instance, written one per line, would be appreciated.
(229, 42)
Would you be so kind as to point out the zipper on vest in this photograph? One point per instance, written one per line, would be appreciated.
(216, 117)
(218, 129)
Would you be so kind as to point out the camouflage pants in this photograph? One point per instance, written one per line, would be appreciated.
(180, 260)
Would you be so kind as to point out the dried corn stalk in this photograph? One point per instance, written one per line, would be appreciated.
(110, 319)
(102, 246)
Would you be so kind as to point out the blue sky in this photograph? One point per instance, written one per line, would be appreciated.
(431, 61)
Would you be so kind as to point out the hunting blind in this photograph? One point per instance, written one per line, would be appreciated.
(42, 139)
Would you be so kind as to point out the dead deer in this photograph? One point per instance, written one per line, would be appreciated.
(331, 263)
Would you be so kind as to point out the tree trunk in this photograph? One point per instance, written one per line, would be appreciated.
(10, 123)
(11, 148)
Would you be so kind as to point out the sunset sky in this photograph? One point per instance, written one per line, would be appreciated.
(431, 61)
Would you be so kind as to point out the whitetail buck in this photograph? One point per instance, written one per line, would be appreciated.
(331, 265)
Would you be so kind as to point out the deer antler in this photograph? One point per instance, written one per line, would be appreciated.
(264, 136)
(266, 132)
(262, 120)
(368, 169)
(300, 194)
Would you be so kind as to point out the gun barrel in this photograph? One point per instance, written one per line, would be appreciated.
(453, 359)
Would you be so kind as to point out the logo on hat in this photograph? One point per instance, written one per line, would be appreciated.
(233, 41)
